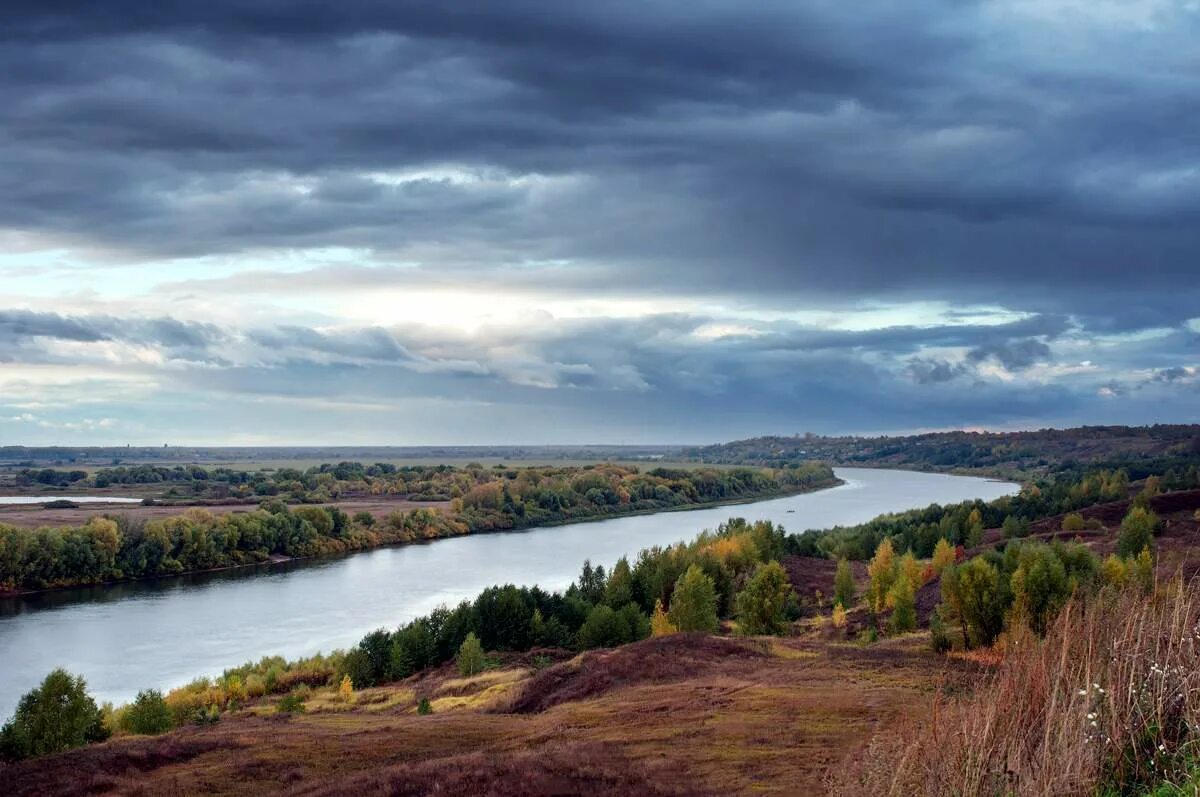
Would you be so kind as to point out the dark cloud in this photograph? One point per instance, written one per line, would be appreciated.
(789, 151)
(768, 159)
(1169, 375)
(1014, 355)
(21, 325)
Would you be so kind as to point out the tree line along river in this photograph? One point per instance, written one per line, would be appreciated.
(165, 632)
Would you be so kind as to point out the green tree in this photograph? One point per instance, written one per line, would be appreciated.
(148, 714)
(760, 606)
(694, 602)
(843, 584)
(1015, 527)
(981, 601)
(606, 627)
(470, 656)
(1040, 587)
(1137, 532)
(904, 606)
(619, 589)
(56, 716)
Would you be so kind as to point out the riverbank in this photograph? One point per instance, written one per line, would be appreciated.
(128, 636)
(348, 507)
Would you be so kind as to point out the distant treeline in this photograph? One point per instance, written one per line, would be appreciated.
(1003, 453)
(474, 484)
(125, 547)
(919, 530)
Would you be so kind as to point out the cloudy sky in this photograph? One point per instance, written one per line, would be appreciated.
(545, 222)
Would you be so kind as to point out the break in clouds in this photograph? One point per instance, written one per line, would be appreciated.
(559, 222)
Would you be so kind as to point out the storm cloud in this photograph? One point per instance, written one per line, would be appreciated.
(718, 218)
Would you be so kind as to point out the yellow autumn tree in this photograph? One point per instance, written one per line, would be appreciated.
(913, 570)
(882, 572)
(660, 624)
(943, 555)
(839, 616)
(346, 690)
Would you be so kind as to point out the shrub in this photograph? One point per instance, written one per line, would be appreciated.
(939, 640)
(1113, 572)
(56, 716)
(843, 584)
(1015, 527)
(423, 707)
(1073, 522)
(1137, 531)
(291, 703)
(694, 602)
(1040, 587)
(978, 598)
(470, 656)
(210, 715)
(760, 605)
(148, 714)
(660, 624)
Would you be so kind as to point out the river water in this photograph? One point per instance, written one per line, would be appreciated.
(163, 633)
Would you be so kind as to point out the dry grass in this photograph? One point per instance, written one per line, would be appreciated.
(686, 714)
(1109, 700)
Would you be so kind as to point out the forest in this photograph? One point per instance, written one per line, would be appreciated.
(1016, 455)
(122, 546)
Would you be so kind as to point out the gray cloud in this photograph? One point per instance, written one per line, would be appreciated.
(781, 158)
(826, 151)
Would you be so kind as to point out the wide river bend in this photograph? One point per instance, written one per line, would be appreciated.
(165, 632)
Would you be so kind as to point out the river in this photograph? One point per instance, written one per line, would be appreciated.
(163, 633)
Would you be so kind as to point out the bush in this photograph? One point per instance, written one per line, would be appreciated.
(423, 707)
(470, 656)
(148, 714)
(1015, 527)
(694, 602)
(760, 606)
(56, 716)
(291, 703)
(660, 624)
(939, 640)
(1040, 587)
(843, 584)
(1137, 531)
(1073, 522)
(978, 596)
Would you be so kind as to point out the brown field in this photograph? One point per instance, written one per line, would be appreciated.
(679, 715)
(35, 516)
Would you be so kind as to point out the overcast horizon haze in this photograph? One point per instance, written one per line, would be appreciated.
(251, 223)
